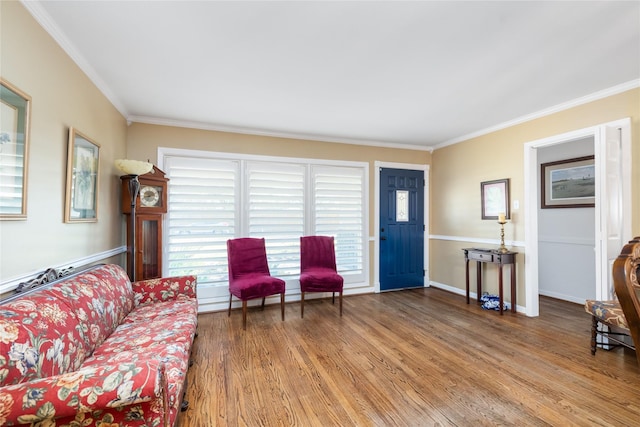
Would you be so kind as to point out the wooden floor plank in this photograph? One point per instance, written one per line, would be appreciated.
(416, 357)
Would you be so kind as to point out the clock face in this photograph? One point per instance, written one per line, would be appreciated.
(149, 196)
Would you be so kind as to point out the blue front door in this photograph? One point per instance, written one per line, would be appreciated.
(401, 229)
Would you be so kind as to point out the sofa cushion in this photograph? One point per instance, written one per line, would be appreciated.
(101, 298)
(163, 331)
(40, 336)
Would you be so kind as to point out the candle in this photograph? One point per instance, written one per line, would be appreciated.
(501, 217)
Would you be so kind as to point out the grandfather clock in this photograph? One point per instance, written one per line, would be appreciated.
(150, 207)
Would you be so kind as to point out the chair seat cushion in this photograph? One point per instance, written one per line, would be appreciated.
(252, 286)
(320, 280)
(608, 312)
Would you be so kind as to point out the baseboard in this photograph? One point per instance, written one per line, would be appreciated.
(563, 297)
(472, 295)
(209, 305)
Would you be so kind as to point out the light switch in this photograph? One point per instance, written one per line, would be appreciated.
(516, 205)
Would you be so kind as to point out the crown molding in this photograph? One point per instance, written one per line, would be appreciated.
(272, 134)
(44, 19)
(633, 84)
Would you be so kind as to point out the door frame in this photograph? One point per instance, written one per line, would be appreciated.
(531, 191)
(376, 230)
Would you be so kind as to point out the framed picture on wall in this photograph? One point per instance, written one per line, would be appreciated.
(495, 198)
(83, 161)
(569, 183)
(14, 150)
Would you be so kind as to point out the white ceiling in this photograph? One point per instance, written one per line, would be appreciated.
(384, 73)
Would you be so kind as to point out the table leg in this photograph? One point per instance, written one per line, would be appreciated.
(478, 281)
(467, 278)
(513, 288)
(500, 288)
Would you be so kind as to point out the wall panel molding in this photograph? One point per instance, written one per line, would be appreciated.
(11, 284)
(493, 242)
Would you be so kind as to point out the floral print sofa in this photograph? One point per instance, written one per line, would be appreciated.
(97, 350)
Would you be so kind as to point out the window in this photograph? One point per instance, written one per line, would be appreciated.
(338, 196)
(201, 217)
(214, 197)
(275, 200)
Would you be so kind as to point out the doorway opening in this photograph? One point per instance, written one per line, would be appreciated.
(612, 211)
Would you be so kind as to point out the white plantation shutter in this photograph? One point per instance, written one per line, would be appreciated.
(213, 199)
(202, 217)
(275, 200)
(11, 179)
(338, 210)
(14, 114)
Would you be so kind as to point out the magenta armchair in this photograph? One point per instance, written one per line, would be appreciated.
(318, 271)
(249, 276)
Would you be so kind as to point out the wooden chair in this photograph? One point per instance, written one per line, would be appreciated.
(318, 271)
(626, 269)
(249, 275)
(622, 312)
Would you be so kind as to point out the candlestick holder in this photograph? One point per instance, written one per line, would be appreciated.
(503, 249)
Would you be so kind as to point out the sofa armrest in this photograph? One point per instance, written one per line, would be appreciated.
(164, 289)
(90, 389)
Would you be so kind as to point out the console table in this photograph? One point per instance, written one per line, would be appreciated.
(492, 256)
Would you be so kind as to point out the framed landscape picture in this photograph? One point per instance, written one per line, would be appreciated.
(569, 183)
(83, 161)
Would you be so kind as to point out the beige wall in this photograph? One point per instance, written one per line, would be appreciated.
(458, 170)
(62, 96)
(143, 141)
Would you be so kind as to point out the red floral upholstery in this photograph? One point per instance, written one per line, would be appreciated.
(137, 389)
(96, 350)
(39, 337)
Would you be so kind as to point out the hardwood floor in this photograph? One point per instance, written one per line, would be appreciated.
(408, 358)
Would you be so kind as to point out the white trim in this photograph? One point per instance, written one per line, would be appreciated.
(531, 204)
(563, 297)
(44, 19)
(309, 164)
(183, 152)
(212, 304)
(48, 24)
(273, 134)
(13, 283)
(463, 292)
(567, 241)
(484, 241)
(546, 112)
(376, 218)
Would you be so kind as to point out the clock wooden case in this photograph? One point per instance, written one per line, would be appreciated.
(152, 197)
(151, 205)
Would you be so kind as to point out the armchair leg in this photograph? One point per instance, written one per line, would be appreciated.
(340, 298)
(333, 297)
(244, 314)
(302, 305)
(282, 305)
(594, 334)
(263, 298)
(230, 296)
